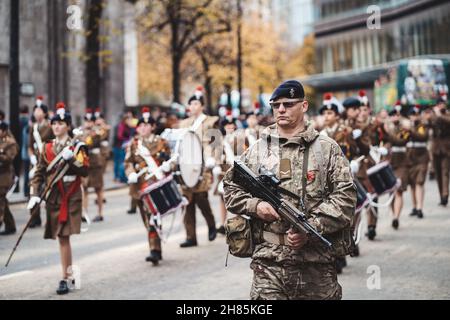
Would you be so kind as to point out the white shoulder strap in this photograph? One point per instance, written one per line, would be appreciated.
(197, 122)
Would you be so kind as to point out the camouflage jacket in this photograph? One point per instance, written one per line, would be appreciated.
(329, 214)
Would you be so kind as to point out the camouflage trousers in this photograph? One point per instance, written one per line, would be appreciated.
(305, 281)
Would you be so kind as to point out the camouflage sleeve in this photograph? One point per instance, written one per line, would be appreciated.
(237, 200)
(336, 212)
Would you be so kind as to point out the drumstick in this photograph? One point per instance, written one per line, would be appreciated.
(360, 159)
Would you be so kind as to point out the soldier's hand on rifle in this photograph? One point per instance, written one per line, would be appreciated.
(296, 240)
(33, 202)
(266, 212)
(67, 154)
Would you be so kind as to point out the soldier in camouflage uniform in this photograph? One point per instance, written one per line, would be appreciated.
(287, 264)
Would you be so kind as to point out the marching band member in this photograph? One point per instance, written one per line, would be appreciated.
(235, 142)
(371, 135)
(252, 132)
(441, 147)
(8, 151)
(200, 123)
(92, 136)
(39, 134)
(418, 157)
(397, 135)
(144, 152)
(63, 202)
(105, 130)
(335, 129)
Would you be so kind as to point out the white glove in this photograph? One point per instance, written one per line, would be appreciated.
(217, 171)
(133, 178)
(356, 133)
(33, 202)
(383, 151)
(33, 160)
(210, 163)
(165, 167)
(67, 154)
(77, 132)
(354, 166)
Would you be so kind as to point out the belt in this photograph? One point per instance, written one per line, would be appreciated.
(396, 149)
(69, 178)
(275, 238)
(95, 151)
(413, 144)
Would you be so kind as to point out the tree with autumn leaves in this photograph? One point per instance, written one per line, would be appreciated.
(184, 42)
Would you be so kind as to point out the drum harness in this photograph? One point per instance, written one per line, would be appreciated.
(153, 170)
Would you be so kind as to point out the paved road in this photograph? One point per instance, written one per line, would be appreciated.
(413, 262)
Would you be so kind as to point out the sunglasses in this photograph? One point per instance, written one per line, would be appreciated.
(287, 105)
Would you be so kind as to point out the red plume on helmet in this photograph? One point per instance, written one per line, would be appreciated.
(363, 98)
(61, 109)
(327, 96)
(40, 98)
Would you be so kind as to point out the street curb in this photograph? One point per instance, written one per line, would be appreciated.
(24, 201)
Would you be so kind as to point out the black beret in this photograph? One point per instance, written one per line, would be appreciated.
(226, 121)
(351, 102)
(4, 126)
(62, 114)
(197, 98)
(43, 107)
(67, 118)
(149, 120)
(291, 89)
(330, 106)
(415, 110)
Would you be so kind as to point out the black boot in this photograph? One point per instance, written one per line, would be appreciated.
(212, 233)
(340, 264)
(98, 219)
(395, 224)
(188, 243)
(371, 233)
(63, 288)
(37, 222)
(131, 211)
(221, 230)
(419, 214)
(154, 257)
(8, 232)
(356, 251)
(444, 202)
(413, 212)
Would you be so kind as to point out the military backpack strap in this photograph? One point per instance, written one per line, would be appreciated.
(304, 176)
(317, 149)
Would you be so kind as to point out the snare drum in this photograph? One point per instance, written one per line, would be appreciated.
(382, 178)
(362, 200)
(162, 196)
(188, 146)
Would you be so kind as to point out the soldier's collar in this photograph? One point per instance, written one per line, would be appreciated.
(305, 137)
